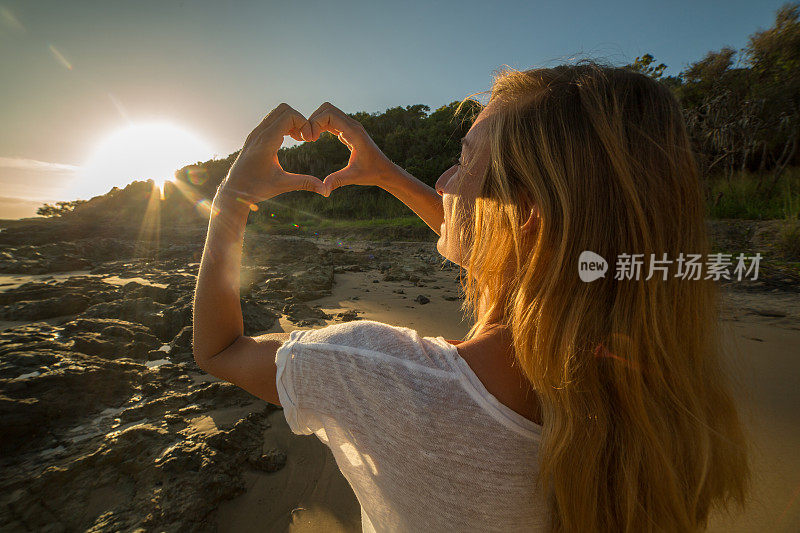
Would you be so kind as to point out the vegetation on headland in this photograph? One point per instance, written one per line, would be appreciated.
(742, 110)
(58, 209)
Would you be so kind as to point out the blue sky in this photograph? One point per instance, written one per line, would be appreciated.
(73, 72)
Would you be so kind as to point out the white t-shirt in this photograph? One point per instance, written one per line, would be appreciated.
(421, 441)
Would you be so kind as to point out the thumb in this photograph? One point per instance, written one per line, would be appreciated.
(340, 178)
(304, 182)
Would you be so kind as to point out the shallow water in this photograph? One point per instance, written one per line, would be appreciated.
(12, 281)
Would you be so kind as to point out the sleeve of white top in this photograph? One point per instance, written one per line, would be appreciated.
(352, 374)
(285, 380)
(321, 373)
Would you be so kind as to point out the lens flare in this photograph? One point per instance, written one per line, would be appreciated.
(196, 176)
(60, 57)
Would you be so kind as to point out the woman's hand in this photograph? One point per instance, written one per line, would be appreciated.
(367, 164)
(256, 175)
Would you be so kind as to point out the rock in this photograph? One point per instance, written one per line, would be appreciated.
(271, 461)
(183, 340)
(258, 316)
(161, 295)
(107, 326)
(67, 304)
(303, 315)
(97, 290)
(66, 389)
(347, 316)
(773, 313)
(164, 321)
(128, 450)
(111, 338)
(39, 337)
(141, 310)
(181, 457)
(313, 283)
(422, 299)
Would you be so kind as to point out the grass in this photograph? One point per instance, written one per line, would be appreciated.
(353, 202)
(407, 228)
(406, 221)
(312, 224)
(741, 197)
(789, 238)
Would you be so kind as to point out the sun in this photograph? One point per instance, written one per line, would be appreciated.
(139, 152)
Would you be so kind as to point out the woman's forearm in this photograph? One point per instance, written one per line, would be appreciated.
(217, 320)
(419, 197)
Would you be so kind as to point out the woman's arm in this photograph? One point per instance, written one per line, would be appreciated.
(217, 310)
(419, 197)
(219, 346)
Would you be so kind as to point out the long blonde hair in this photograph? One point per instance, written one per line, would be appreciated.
(641, 432)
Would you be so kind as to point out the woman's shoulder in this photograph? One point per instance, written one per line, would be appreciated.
(353, 333)
(379, 340)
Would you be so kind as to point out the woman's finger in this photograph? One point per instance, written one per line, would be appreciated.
(308, 131)
(304, 182)
(340, 178)
(330, 118)
(283, 124)
(344, 141)
(266, 121)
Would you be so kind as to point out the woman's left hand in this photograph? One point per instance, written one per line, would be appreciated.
(256, 175)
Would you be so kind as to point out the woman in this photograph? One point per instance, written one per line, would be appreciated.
(570, 405)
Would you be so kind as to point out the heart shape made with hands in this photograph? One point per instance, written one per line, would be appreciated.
(257, 175)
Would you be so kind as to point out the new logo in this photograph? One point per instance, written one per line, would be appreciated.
(591, 266)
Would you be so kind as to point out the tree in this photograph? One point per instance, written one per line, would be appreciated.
(59, 209)
(774, 59)
(645, 65)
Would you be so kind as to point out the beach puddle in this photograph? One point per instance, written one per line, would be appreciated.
(116, 280)
(12, 281)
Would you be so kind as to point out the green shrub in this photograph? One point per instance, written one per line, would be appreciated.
(744, 196)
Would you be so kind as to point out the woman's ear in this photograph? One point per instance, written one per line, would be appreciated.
(532, 223)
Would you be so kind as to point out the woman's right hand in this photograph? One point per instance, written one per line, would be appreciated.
(367, 165)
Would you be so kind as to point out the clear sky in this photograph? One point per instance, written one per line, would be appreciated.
(74, 72)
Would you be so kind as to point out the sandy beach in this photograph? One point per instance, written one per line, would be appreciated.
(311, 495)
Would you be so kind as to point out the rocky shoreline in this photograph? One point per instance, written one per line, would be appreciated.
(98, 386)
